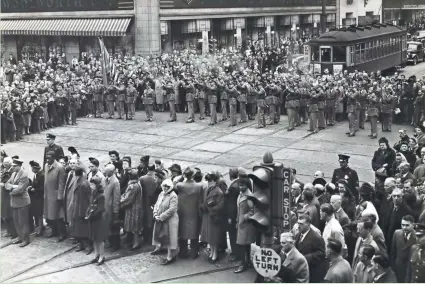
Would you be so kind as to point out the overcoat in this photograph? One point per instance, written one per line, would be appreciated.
(245, 231)
(19, 196)
(400, 253)
(212, 215)
(148, 195)
(190, 196)
(166, 209)
(80, 203)
(54, 190)
(112, 195)
(37, 196)
(6, 210)
(159, 92)
(131, 202)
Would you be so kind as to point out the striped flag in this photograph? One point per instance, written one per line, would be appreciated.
(105, 60)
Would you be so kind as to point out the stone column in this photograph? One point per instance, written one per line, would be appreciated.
(147, 27)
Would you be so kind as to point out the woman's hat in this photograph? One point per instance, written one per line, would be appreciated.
(175, 168)
(167, 183)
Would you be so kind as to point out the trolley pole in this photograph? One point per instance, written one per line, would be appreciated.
(323, 18)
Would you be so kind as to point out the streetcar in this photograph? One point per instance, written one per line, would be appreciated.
(365, 48)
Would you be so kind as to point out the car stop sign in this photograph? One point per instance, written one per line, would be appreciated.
(267, 262)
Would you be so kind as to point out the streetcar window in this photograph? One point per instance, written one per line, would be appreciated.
(314, 53)
(339, 54)
(325, 54)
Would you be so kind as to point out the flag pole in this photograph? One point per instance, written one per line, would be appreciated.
(103, 63)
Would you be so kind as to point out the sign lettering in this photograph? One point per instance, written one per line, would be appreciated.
(267, 262)
(286, 198)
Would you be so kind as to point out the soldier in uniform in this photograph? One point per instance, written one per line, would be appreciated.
(201, 100)
(190, 96)
(148, 98)
(331, 94)
(212, 100)
(302, 111)
(121, 98)
(131, 99)
(73, 104)
(110, 100)
(313, 109)
(416, 266)
(233, 103)
(171, 97)
(242, 98)
(321, 109)
(386, 109)
(346, 173)
(351, 111)
(270, 103)
(373, 112)
(250, 102)
(260, 94)
(291, 104)
(52, 147)
(98, 98)
(224, 99)
(276, 100)
(362, 100)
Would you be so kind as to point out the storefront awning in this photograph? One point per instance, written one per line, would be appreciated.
(66, 27)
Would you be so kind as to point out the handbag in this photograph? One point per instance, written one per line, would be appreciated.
(161, 232)
(381, 172)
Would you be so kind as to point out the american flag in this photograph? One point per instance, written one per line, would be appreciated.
(106, 61)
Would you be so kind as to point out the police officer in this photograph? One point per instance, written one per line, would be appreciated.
(148, 98)
(131, 99)
(416, 266)
(52, 147)
(346, 173)
(110, 101)
(121, 98)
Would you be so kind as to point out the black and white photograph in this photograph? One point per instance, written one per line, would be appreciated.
(212, 141)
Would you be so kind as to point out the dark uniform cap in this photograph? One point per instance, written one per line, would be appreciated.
(17, 162)
(50, 136)
(320, 181)
(34, 164)
(343, 157)
(113, 152)
(94, 161)
(419, 229)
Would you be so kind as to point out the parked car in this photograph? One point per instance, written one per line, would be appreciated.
(415, 52)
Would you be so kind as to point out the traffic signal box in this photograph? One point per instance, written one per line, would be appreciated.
(269, 198)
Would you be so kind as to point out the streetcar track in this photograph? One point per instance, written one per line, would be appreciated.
(216, 270)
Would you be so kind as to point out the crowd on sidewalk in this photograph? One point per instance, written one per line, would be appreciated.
(342, 231)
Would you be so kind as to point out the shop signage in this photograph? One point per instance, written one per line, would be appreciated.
(30, 6)
(267, 262)
(240, 3)
(405, 4)
(286, 196)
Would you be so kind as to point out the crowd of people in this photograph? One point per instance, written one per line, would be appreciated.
(342, 232)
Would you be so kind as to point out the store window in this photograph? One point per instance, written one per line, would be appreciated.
(31, 47)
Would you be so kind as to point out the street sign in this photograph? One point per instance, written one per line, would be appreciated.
(286, 199)
(267, 262)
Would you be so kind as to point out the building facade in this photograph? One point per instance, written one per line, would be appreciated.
(359, 12)
(32, 28)
(404, 11)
